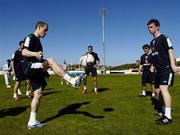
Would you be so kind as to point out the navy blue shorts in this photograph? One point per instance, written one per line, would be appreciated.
(147, 77)
(19, 74)
(163, 76)
(36, 76)
(93, 71)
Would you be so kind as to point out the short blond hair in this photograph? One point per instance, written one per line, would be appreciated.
(40, 24)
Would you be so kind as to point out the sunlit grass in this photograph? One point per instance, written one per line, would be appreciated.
(116, 110)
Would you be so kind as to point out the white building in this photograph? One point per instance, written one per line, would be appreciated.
(178, 59)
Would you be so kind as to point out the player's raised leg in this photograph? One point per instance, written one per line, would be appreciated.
(60, 72)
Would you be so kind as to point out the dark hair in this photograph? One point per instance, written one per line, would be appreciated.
(8, 60)
(40, 24)
(90, 46)
(21, 42)
(155, 21)
(146, 46)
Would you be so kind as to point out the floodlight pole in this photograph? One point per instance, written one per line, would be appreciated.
(103, 14)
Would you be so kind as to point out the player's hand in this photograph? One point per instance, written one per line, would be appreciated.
(39, 55)
(175, 69)
(152, 69)
(95, 66)
(46, 65)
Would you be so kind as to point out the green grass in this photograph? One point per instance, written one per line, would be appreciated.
(117, 110)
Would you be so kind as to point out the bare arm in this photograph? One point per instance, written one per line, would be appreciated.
(152, 68)
(27, 53)
(140, 68)
(172, 61)
(12, 65)
(97, 63)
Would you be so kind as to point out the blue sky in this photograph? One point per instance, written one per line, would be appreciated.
(75, 24)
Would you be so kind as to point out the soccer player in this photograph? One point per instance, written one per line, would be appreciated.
(7, 72)
(35, 68)
(91, 68)
(164, 63)
(17, 61)
(145, 65)
(65, 68)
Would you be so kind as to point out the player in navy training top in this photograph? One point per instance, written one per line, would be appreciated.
(164, 64)
(17, 61)
(145, 65)
(91, 68)
(35, 68)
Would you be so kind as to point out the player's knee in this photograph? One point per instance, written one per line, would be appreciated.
(85, 82)
(94, 78)
(39, 96)
(51, 61)
(38, 93)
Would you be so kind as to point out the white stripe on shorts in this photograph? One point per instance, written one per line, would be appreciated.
(36, 65)
(170, 78)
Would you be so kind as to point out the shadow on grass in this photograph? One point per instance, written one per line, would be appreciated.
(12, 111)
(157, 105)
(48, 88)
(72, 109)
(103, 89)
(108, 109)
(51, 92)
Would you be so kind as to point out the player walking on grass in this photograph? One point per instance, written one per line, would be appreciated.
(91, 68)
(7, 73)
(35, 68)
(65, 68)
(164, 63)
(17, 61)
(145, 65)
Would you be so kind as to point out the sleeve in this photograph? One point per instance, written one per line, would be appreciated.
(96, 57)
(27, 42)
(12, 58)
(141, 61)
(168, 44)
(150, 58)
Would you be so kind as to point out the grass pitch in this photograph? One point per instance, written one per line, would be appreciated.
(117, 110)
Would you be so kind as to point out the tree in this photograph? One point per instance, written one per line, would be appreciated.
(178, 63)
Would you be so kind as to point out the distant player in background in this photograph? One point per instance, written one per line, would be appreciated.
(17, 61)
(35, 68)
(91, 68)
(65, 68)
(144, 68)
(7, 72)
(164, 63)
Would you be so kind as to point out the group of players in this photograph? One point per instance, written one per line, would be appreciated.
(34, 69)
(158, 68)
(30, 65)
(14, 66)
